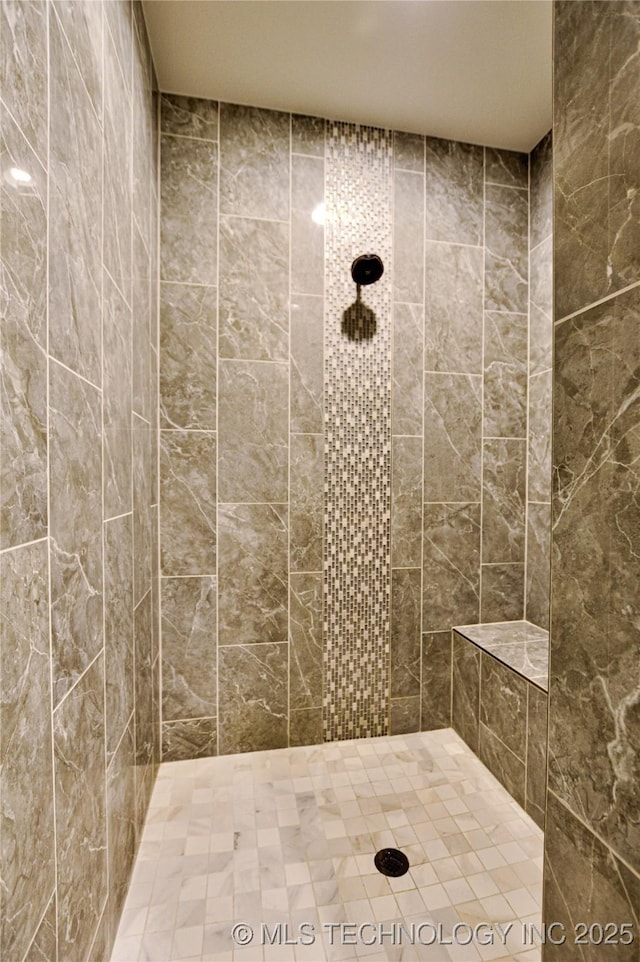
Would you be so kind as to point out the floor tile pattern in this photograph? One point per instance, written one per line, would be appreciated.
(284, 840)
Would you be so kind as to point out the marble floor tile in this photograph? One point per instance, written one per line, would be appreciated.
(282, 842)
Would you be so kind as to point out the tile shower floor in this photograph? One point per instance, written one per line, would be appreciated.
(283, 842)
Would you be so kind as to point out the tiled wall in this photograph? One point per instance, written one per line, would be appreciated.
(502, 716)
(592, 853)
(79, 638)
(243, 399)
(538, 570)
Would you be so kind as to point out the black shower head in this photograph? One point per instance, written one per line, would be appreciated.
(367, 269)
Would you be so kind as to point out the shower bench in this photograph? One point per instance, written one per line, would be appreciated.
(499, 704)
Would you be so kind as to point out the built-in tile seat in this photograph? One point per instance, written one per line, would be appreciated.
(499, 704)
(519, 645)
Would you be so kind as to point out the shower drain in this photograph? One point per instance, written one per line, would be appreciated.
(390, 861)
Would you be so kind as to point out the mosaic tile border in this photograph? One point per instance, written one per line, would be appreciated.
(357, 488)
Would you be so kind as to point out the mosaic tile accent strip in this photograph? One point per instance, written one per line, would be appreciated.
(357, 500)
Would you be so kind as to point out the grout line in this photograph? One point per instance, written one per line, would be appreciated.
(422, 432)
(103, 319)
(528, 399)
(218, 446)
(602, 300)
(289, 538)
(482, 383)
(75, 373)
(48, 15)
(25, 544)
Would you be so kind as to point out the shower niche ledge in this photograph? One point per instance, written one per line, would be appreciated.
(500, 701)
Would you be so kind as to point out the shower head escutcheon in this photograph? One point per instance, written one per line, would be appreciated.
(367, 269)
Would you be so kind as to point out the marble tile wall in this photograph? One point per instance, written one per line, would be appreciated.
(242, 414)
(538, 559)
(592, 855)
(502, 716)
(79, 732)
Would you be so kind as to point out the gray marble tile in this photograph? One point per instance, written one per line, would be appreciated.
(189, 658)
(253, 697)
(117, 173)
(539, 454)
(507, 767)
(407, 362)
(405, 632)
(305, 727)
(506, 633)
(189, 208)
(538, 563)
(307, 135)
(408, 151)
(254, 289)
(453, 308)
(536, 787)
(306, 364)
(503, 704)
(121, 828)
(75, 216)
(503, 500)
(465, 704)
(188, 332)
(143, 684)
(28, 874)
(119, 24)
(454, 191)
(623, 142)
(253, 419)
(253, 575)
(307, 236)
(75, 477)
(506, 249)
(540, 307)
(23, 68)
(144, 160)
(452, 437)
(116, 401)
(406, 500)
(189, 117)
(84, 26)
(594, 657)
(305, 621)
(529, 659)
(189, 738)
(585, 882)
(506, 167)
(23, 396)
(143, 460)
(451, 568)
(436, 680)
(541, 191)
(581, 154)
(306, 504)
(118, 627)
(505, 375)
(80, 791)
(404, 715)
(188, 502)
(254, 162)
(43, 947)
(408, 236)
(502, 595)
(100, 947)
(142, 335)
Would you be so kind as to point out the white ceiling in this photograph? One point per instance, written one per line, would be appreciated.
(471, 70)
